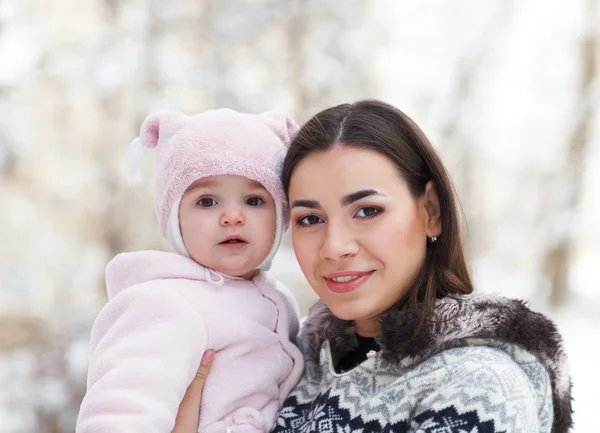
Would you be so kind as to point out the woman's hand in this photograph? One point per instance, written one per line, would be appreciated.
(188, 415)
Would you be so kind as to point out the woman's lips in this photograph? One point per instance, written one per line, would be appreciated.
(347, 281)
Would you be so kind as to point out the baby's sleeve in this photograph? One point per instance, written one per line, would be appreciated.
(293, 311)
(145, 348)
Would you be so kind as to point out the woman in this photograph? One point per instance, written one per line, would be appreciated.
(398, 342)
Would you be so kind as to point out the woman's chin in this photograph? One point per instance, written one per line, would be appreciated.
(348, 310)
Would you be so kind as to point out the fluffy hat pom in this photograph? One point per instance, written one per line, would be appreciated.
(156, 126)
(160, 125)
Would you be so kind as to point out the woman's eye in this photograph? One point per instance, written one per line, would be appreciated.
(367, 212)
(309, 220)
(254, 201)
(207, 202)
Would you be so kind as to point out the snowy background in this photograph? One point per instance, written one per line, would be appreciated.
(508, 91)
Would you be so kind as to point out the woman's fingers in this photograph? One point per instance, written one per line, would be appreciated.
(194, 392)
(189, 409)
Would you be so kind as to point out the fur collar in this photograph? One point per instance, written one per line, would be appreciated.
(477, 316)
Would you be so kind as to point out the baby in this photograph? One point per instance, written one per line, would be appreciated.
(221, 205)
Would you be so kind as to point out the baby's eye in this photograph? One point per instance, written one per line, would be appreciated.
(254, 201)
(309, 220)
(367, 212)
(207, 202)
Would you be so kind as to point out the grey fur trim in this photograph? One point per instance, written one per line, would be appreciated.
(454, 320)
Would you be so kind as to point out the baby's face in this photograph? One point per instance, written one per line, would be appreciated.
(228, 223)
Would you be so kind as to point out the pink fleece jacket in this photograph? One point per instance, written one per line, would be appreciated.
(164, 311)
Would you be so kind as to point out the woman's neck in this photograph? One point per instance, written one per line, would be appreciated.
(367, 327)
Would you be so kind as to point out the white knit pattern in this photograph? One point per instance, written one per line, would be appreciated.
(483, 386)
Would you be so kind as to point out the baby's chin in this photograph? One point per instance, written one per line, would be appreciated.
(246, 272)
(232, 267)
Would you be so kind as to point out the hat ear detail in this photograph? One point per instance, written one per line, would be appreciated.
(157, 125)
(281, 124)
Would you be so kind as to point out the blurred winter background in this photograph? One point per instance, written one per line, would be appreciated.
(508, 91)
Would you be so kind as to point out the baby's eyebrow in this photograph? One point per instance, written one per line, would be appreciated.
(255, 184)
(355, 196)
(202, 183)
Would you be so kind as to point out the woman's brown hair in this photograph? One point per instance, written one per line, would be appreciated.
(380, 127)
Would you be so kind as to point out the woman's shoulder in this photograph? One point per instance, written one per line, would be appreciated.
(475, 358)
(472, 387)
(501, 337)
(480, 383)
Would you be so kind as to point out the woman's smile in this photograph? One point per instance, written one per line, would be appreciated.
(343, 282)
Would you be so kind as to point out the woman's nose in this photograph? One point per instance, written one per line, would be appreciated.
(232, 217)
(338, 243)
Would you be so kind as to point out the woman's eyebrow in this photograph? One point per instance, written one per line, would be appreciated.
(312, 204)
(358, 195)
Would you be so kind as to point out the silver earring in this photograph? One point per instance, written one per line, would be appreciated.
(433, 239)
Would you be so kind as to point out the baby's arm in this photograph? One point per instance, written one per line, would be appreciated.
(145, 348)
(293, 310)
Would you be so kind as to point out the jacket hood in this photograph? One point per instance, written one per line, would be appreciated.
(456, 320)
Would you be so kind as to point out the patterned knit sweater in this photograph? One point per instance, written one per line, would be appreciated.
(492, 366)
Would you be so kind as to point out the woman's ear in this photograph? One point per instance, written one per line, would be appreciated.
(432, 206)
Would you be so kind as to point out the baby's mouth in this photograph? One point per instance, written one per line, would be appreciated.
(234, 240)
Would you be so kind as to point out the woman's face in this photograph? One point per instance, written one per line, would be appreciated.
(359, 235)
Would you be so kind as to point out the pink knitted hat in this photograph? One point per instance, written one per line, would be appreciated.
(215, 142)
